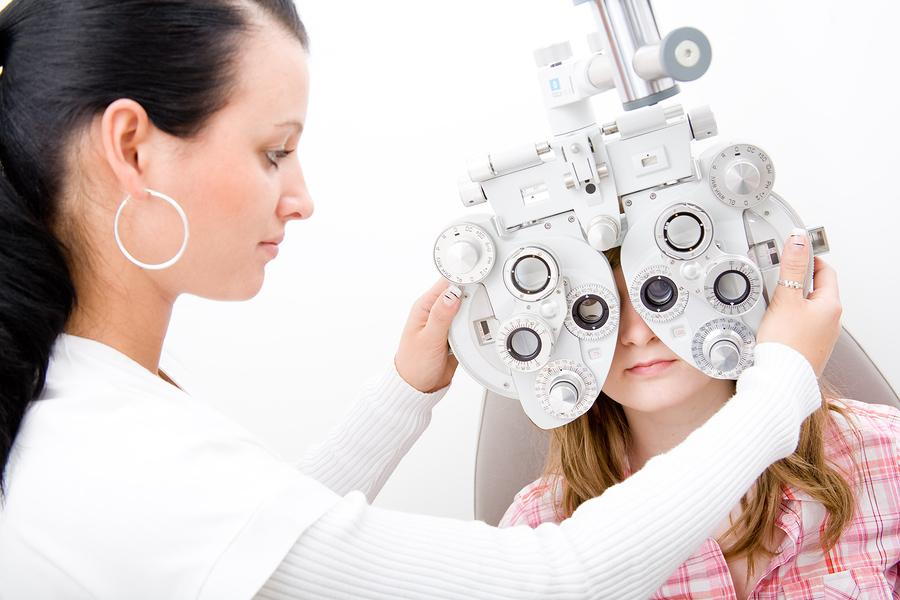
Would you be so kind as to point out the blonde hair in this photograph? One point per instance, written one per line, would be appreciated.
(590, 455)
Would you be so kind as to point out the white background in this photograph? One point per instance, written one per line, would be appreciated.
(403, 92)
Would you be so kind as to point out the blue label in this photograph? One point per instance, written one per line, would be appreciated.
(554, 85)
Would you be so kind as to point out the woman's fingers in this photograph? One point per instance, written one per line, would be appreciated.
(810, 326)
(794, 265)
(422, 357)
(825, 281)
(441, 315)
(421, 310)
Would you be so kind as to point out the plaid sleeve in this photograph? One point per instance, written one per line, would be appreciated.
(533, 505)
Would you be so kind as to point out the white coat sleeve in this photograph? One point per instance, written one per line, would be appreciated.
(379, 429)
(621, 545)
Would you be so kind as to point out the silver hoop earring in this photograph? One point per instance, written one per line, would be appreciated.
(184, 244)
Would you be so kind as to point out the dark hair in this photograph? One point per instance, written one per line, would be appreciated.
(64, 62)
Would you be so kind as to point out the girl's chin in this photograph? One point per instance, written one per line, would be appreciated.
(649, 401)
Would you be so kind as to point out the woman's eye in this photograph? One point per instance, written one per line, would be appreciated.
(275, 156)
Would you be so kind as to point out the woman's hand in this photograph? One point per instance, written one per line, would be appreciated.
(809, 325)
(423, 359)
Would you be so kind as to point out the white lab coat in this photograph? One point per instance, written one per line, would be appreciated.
(120, 481)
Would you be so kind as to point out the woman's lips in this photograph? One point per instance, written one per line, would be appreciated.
(271, 249)
(652, 369)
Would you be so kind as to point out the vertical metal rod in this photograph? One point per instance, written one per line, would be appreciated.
(628, 25)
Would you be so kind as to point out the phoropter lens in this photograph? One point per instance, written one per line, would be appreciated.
(732, 287)
(523, 344)
(590, 312)
(659, 293)
(530, 274)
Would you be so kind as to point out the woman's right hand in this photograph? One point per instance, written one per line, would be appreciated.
(809, 325)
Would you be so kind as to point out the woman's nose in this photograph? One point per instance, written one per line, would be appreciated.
(296, 206)
(295, 202)
(632, 328)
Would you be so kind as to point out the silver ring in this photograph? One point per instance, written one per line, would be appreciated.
(789, 283)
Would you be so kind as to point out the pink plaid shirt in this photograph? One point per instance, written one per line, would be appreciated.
(865, 562)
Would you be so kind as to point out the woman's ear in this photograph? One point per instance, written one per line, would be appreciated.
(125, 130)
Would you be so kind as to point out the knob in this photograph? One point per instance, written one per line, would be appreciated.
(549, 309)
(566, 389)
(723, 348)
(464, 253)
(691, 270)
(685, 54)
(742, 176)
(564, 393)
(603, 233)
(724, 355)
(550, 55)
(703, 122)
(471, 193)
(461, 257)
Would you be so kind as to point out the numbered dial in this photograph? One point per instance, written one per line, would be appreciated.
(531, 274)
(464, 253)
(742, 176)
(655, 295)
(593, 312)
(723, 348)
(524, 343)
(566, 389)
(733, 287)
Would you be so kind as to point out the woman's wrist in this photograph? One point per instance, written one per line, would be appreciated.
(415, 387)
(782, 383)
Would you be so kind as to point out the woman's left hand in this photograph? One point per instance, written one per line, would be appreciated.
(423, 359)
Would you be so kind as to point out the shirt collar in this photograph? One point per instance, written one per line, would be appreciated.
(76, 357)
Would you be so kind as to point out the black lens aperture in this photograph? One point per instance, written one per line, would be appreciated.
(659, 293)
(590, 312)
(732, 287)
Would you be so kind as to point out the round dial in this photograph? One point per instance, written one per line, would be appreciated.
(733, 286)
(742, 176)
(464, 253)
(593, 312)
(723, 348)
(524, 343)
(566, 389)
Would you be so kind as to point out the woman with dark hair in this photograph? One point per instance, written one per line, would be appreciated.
(148, 151)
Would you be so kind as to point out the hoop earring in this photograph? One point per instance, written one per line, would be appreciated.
(184, 244)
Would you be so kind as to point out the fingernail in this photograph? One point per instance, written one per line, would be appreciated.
(799, 236)
(452, 294)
